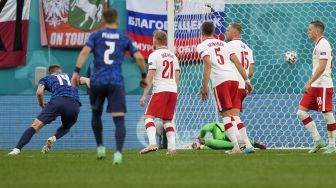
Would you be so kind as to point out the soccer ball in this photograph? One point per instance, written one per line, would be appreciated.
(291, 57)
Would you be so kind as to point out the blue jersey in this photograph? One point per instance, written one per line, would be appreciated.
(108, 47)
(60, 86)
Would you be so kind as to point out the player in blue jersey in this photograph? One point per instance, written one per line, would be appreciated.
(108, 46)
(64, 102)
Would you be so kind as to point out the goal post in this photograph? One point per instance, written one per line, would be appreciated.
(271, 27)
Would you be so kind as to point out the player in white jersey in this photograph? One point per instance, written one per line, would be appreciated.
(319, 90)
(163, 72)
(244, 54)
(219, 59)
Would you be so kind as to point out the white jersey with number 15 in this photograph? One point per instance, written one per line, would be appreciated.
(166, 64)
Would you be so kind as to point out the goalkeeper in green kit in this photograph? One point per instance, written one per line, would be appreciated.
(219, 140)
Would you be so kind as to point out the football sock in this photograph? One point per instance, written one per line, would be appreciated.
(234, 123)
(230, 131)
(120, 132)
(170, 133)
(97, 127)
(331, 127)
(309, 123)
(151, 131)
(242, 131)
(61, 131)
(25, 138)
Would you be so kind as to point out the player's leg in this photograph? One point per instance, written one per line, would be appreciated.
(327, 106)
(117, 107)
(308, 102)
(48, 114)
(242, 131)
(97, 98)
(218, 144)
(167, 122)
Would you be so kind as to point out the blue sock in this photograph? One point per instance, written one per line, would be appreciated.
(120, 131)
(25, 138)
(61, 131)
(97, 126)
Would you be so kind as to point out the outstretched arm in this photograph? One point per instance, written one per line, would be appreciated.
(83, 56)
(84, 81)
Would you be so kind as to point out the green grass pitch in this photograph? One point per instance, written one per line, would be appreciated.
(270, 168)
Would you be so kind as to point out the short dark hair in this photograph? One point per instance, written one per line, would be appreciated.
(237, 26)
(160, 37)
(318, 24)
(208, 28)
(52, 68)
(110, 15)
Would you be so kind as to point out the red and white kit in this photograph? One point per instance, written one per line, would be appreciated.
(245, 56)
(223, 76)
(163, 100)
(319, 96)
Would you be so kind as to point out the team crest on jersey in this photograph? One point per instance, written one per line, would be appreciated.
(86, 14)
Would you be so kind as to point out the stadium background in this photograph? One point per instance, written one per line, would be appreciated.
(277, 85)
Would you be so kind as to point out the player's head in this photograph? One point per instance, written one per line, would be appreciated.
(54, 69)
(315, 29)
(110, 16)
(159, 38)
(233, 31)
(207, 29)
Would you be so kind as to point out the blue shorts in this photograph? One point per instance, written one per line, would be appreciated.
(66, 107)
(115, 95)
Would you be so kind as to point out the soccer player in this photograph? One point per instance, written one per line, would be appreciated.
(246, 59)
(108, 46)
(219, 138)
(318, 91)
(219, 59)
(64, 102)
(163, 72)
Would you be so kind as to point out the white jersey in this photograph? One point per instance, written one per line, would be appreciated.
(166, 64)
(245, 56)
(222, 67)
(323, 51)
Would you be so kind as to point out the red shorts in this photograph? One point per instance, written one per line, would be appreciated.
(226, 95)
(318, 99)
(162, 105)
(242, 93)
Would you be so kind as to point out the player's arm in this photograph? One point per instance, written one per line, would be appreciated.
(241, 70)
(150, 78)
(84, 81)
(205, 129)
(83, 56)
(206, 77)
(319, 71)
(39, 95)
(251, 69)
(142, 67)
(177, 77)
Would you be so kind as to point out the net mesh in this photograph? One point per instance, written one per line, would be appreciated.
(270, 29)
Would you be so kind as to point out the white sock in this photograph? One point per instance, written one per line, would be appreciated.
(151, 131)
(242, 132)
(331, 136)
(331, 126)
(170, 133)
(234, 123)
(229, 128)
(309, 124)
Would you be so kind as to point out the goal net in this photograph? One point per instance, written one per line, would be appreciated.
(271, 27)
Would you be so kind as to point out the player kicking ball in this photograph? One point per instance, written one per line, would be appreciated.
(219, 140)
(163, 73)
(318, 91)
(64, 102)
(219, 59)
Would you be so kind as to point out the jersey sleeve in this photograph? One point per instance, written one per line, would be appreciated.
(202, 50)
(130, 46)
(151, 62)
(207, 128)
(91, 40)
(324, 50)
(250, 56)
(43, 81)
(176, 61)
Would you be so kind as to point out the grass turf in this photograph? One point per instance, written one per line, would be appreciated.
(270, 168)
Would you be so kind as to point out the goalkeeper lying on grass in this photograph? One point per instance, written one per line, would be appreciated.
(219, 140)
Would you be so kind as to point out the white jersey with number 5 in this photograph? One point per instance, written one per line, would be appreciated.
(221, 65)
(245, 56)
(323, 51)
(166, 64)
